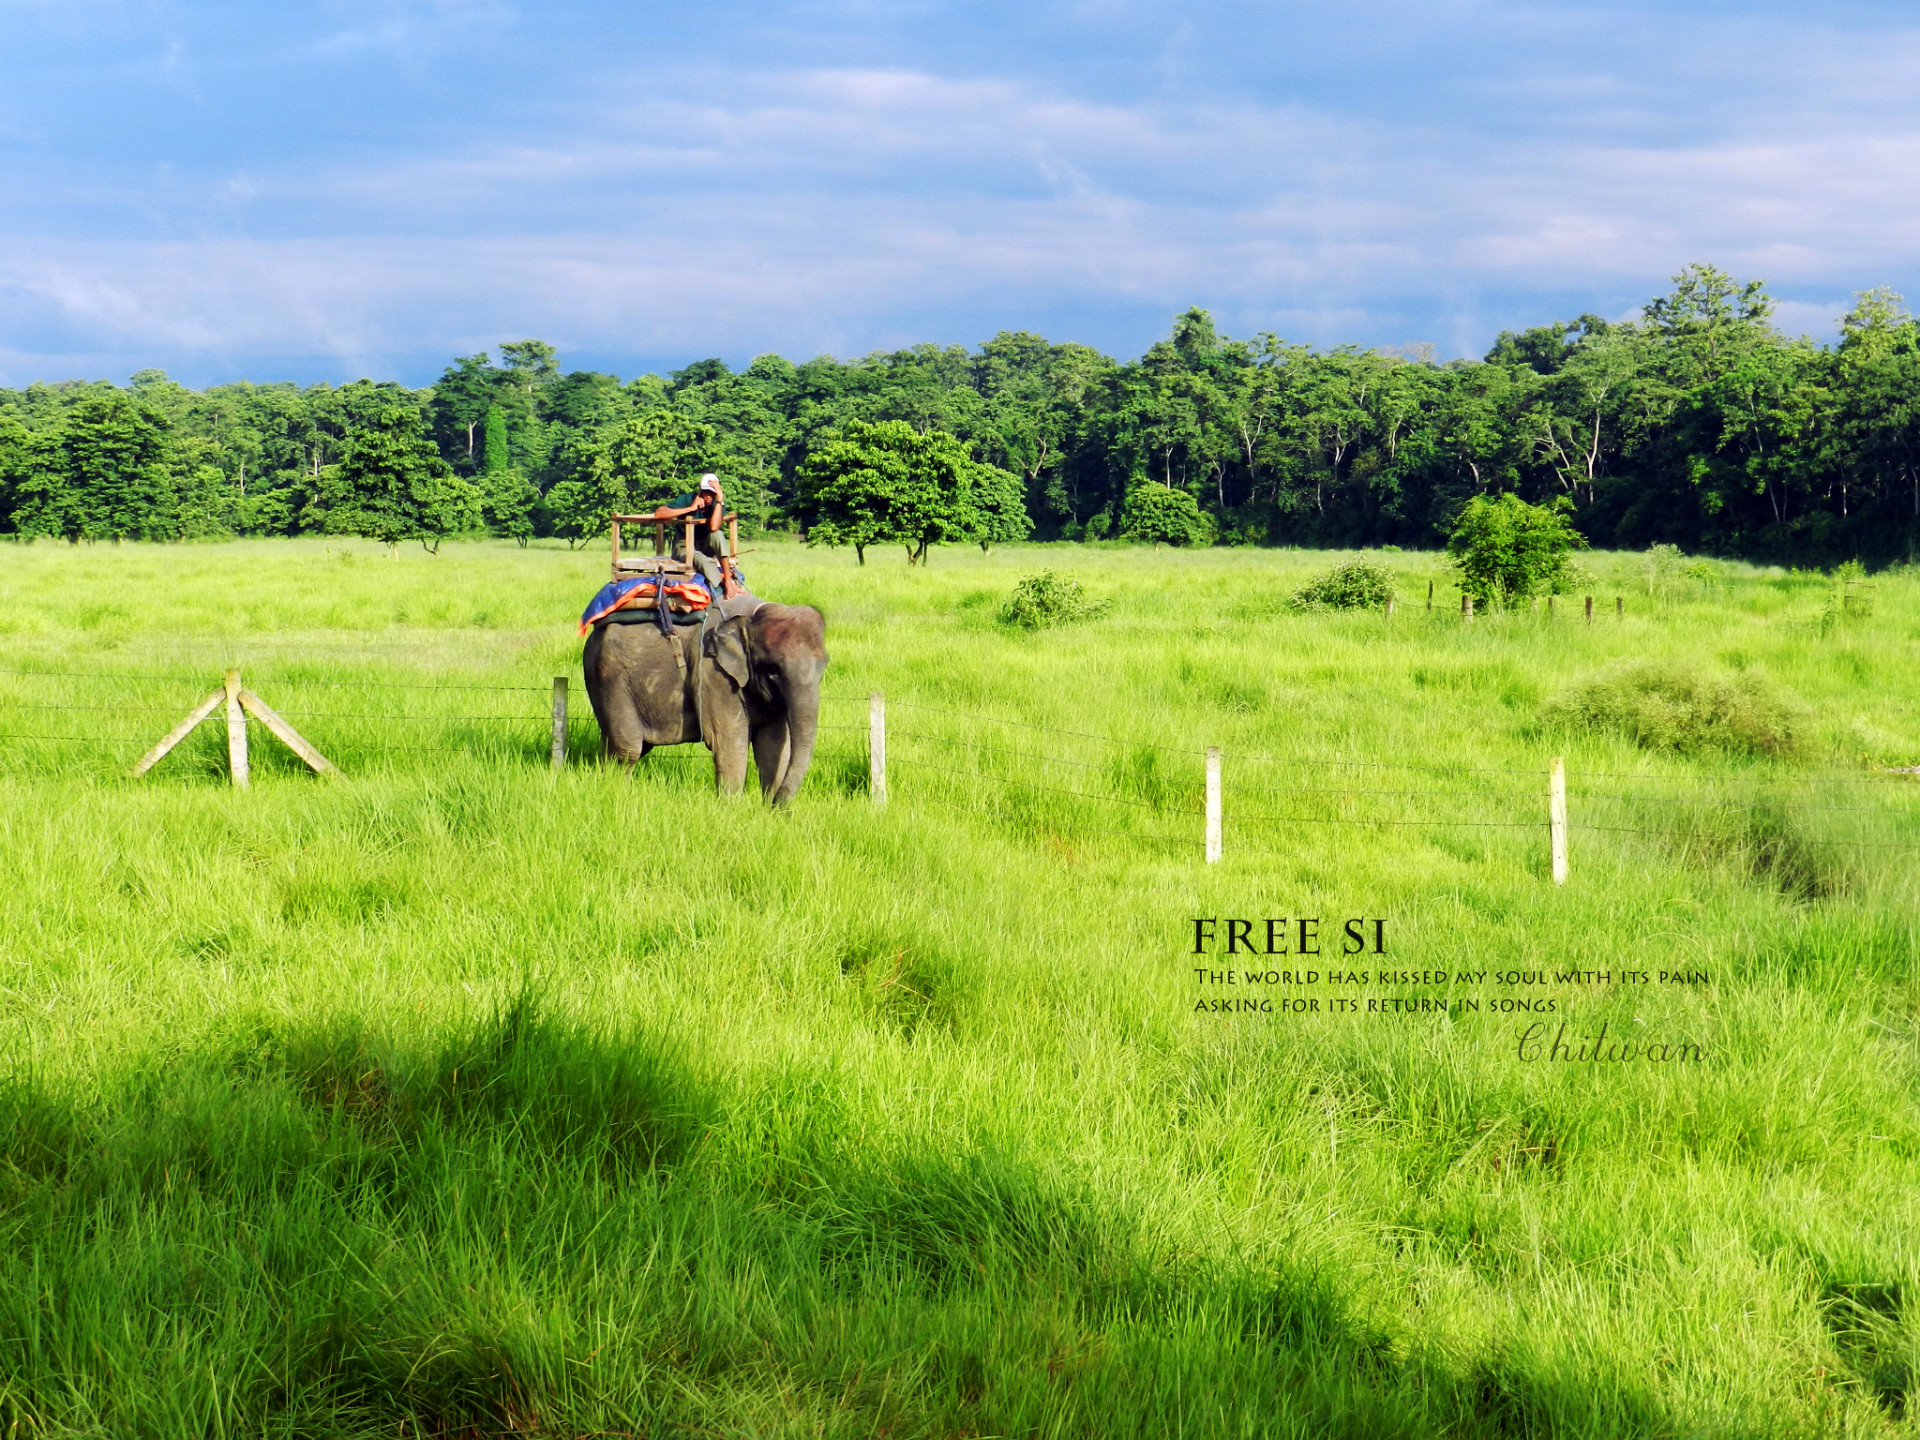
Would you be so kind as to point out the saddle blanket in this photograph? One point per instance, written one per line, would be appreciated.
(637, 592)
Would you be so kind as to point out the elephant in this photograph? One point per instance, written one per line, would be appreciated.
(746, 677)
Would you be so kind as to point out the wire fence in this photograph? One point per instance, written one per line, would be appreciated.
(1058, 783)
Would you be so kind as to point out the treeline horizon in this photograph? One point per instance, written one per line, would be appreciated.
(1699, 424)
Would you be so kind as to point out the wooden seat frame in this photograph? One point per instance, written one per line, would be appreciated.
(660, 562)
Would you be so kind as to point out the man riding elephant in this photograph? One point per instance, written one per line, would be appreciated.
(706, 504)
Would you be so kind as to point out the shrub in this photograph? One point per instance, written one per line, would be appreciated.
(1677, 707)
(1852, 597)
(1356, 585)
(1505, 549)
(1164, 516)
(1039, 601)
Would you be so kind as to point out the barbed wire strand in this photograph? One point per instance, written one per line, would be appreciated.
(1065, 829)
(1050, 789)
(204, 679)
(531, 719)
(1740, 804)
(1047, 729)
(1371, 764)
(1815, 778)
(1339, 820)
(413, 719)
(1739, 840)
(1435, 794)
(117, 709)
(973, 745)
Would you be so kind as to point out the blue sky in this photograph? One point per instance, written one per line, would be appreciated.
(322, 191)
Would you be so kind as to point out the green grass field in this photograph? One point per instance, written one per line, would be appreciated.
(454, 1097)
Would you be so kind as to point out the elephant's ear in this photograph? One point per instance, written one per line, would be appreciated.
(727, 644)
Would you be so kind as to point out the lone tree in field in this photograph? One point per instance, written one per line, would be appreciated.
(888, 481)
(1505, 549)
(391, 485)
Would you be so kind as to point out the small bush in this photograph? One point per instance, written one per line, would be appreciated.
(1766, 842)
(1356, 585)
(1163, 516)
(1042, 600)
(1664, 564)
(1852, 598)
(1505, 549)
(1681, 708)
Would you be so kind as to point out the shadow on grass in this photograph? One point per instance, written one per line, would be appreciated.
(519, 1226)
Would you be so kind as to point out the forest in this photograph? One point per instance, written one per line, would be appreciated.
(1698, 424)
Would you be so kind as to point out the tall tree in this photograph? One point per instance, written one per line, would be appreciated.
(391, 484)
(887, 481)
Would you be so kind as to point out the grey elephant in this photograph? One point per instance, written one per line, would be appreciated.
(746, 678)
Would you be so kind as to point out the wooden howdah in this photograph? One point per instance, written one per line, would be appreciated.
(662, 563)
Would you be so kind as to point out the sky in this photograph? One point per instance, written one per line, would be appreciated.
(323, 191)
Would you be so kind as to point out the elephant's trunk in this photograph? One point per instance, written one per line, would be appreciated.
(803, 726)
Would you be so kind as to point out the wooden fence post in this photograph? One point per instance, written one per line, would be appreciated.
(1389, 607)
(236, 731)
(877, 747)
(1549, 608)
(1466, 607)
(179, 732)
(286, 734)
(240, 703)
(1429, 597)
(1213, 804)
(1557, 818)
(1589, 609)
(1619, 607)
(559, 722)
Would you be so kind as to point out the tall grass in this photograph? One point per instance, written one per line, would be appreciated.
(455, 1097)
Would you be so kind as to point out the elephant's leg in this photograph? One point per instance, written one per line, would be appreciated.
(723, 726)
(770, 752)
(729, 764)
(621, 734)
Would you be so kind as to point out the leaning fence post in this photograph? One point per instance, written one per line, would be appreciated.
(1557, 818)
(236, 731)
(559, 722)
(1213, 804)
(877, 747)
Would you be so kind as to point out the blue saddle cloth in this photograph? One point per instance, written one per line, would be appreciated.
(623, 594)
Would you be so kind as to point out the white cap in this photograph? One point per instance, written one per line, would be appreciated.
(709, 482)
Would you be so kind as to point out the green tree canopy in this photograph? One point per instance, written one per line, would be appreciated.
(887, 481)
(636, 465)
(1161, 515)
(1505, 549)
(391, 484)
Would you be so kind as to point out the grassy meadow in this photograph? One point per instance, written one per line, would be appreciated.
(456, 1097)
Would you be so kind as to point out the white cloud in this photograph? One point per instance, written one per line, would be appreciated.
(705, 210)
